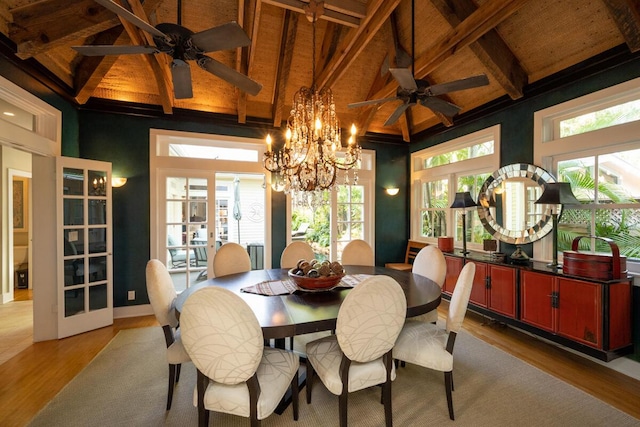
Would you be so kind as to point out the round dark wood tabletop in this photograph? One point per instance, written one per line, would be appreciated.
(283, 316)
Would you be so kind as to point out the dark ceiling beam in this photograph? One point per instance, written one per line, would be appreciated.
(287, 42)
(48, 24)
(355, 41)
(159, 65)
(626, 14)
(246, 13)
(490, 49)
(344, 12)
(483, 20)
(91, 69)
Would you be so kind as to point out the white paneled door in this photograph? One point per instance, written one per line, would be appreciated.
(85, 279)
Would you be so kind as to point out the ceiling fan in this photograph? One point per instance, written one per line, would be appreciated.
(182, 45)
(413, 91)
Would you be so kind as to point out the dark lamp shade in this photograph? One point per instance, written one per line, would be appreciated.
(557, 193)
(463, 200)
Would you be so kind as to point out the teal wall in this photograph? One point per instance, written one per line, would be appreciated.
(123, 140)
(15, 75)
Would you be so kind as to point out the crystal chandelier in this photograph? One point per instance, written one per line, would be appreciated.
(313, 153)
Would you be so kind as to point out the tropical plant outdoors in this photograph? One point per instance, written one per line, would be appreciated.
(613, 211)
(318, 215)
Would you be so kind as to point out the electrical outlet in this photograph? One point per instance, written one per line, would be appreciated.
(131, 295)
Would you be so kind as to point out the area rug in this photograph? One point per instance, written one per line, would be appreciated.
(126, 385)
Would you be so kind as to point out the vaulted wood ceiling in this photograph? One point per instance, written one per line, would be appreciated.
(514, 42)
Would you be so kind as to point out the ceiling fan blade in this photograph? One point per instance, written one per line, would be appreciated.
(370, 102)
(101, 50)
(396, 114)
(125, 14)
(230, 75)
(440, 106)
(404, 77)
(223, 37)
(468, 83)
(181, 77)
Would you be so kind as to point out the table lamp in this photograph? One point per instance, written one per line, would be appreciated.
(554, 194)
(463, 201)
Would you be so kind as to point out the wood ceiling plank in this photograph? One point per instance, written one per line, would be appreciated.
(626, 14)
(336, 11)
(157, 64)
(492, 51)
(405, 127)
(484, 19)
(356, 40)
(91, 69)
(287, 42)
(242, 59)
(252, 12)
(38, 27)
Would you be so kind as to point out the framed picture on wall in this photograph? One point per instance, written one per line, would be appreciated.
(20, 200)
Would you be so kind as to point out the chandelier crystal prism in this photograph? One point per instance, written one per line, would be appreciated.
(313, 153)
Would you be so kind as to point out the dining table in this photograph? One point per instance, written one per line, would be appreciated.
(302, 312)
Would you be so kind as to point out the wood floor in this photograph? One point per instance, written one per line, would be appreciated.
(34, 376)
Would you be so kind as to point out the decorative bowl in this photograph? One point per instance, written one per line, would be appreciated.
(316, 284)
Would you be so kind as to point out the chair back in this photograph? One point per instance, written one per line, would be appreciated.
(161, 293)
(357, 252)
(430, 263)
(460, 298)
(370, 318)
(294, 252)
(221, 335)
(231, 258)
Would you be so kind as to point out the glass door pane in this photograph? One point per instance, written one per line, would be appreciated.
(186, 220)
(332, 221)
(240, 213)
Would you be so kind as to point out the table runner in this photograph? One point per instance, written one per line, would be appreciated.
(287, 286)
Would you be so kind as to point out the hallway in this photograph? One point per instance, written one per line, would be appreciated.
(16, 324)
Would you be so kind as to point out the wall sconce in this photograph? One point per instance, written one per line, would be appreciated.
(463, 201)
(554, 194)
(392, 191)
(117, 182)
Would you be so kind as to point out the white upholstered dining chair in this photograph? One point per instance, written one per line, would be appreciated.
(236, 374)
(430, 263)
(431, 346)
(359, 355)
(231, 258)
(294, 252)
(357, 252)
(161, 294)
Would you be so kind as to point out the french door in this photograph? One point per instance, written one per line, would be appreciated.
(85, 284)
(186, 224)
(343, 215)
(201, 211)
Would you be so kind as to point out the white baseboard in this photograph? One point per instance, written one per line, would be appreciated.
(132, 311)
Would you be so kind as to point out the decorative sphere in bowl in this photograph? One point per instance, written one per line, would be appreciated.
(315, 283)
